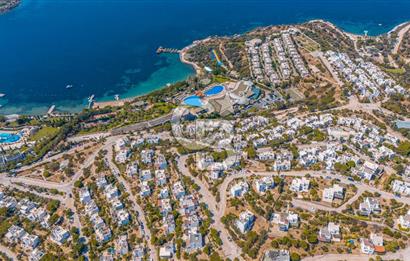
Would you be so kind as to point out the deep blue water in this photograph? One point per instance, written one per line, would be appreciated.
(107, 47)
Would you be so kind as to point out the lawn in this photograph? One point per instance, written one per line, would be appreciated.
(44, 133)
(396, 71)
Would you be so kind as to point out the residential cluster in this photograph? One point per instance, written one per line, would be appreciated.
(271, 60)
(368, 80)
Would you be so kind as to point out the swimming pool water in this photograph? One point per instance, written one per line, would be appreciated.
(214, 90)
(9, 137)
(403, 124)
(193, 101)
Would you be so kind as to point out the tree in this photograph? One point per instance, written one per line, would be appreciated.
(78, 184)
(294, 257)
(53, 205)
(404, 148)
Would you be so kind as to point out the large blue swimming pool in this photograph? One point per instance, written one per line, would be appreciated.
(9, 137)
(214, 90)
(193, 101)
(403, 124)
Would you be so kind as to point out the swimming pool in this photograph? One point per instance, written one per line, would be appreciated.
(214, 90)
(403, 124)
(193, 101)
(9, 137)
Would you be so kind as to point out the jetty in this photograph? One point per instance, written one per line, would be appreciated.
(167, 50)
(51, 110)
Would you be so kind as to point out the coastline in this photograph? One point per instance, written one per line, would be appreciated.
(198, 70)
(8, 6)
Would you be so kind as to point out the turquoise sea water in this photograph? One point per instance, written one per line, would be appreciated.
(107, 47)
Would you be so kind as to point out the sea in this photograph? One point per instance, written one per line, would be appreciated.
(107, 47)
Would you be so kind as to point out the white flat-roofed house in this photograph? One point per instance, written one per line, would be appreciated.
(281, 165)
(369, 206)
(204, 161)
(160, 177)
(195, 241)
(91, 208)
(101, 182)
(260, 142)
(165, 206)
(122, 156)
(116, 205)
(167, 250)
(401, 187)
(25, 206)
(30, 241)
(36, 255)
(153, 139)
(330, 233)
(138, 253)
(121, 144)
(145, 190)
(146, 156)
(145, 175)
(111, 192)
(188, 205)
(103, 234)
(239, 189)
(97, 221)
(161, 162)
(138, 142)
(336, 191)
(164, 193)
(85, 196)
(132, 169)
(245, 221)
(404, 220)
(178, 190)
(8, 203)
(215, 173)
(14, 233)
(300, 185)
(369, 170)
(59, 235)
(169, 223)
(123, 217)
(383, 153)
(264, 184)
(366, 246)
(265, 154)
(121, 245)
(285, 220)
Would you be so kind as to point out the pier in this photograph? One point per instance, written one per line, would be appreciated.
(51, 110)
(167, 50)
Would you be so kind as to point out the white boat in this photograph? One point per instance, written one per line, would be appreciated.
(69, 86)
(116, 97)
(2, 95)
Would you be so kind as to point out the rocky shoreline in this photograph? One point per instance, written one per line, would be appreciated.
(7, 5)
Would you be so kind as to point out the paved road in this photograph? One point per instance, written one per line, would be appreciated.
(309, 205)
(229, 248)
(8, 252)
(145, 232)
(403, 255)
(142, 125)
(400, 35)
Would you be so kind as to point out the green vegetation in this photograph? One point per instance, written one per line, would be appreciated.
(46, 132)
(404, 148)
